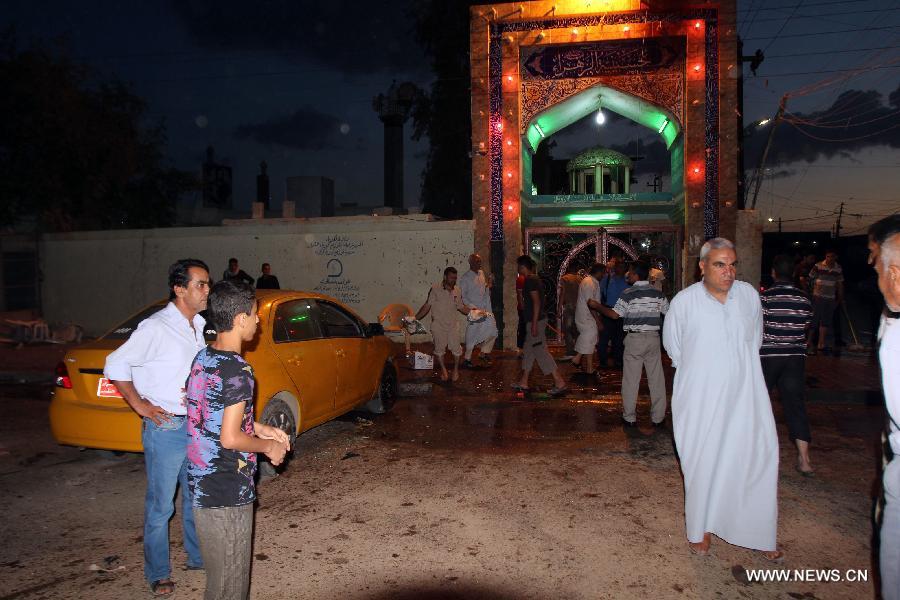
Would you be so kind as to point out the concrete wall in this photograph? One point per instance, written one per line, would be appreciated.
(96, 279)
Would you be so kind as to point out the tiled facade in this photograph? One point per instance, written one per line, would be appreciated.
(709, 130)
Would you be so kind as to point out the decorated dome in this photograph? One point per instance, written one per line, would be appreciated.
(598, 156)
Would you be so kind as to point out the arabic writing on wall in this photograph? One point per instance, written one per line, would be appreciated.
(341, 288)
(335, 245)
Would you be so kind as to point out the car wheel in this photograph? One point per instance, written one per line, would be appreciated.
(386, 394)
(278, 415)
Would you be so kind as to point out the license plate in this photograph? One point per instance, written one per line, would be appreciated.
(107, 389)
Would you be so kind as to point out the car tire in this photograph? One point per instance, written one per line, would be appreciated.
(279, 415)
(386, 394)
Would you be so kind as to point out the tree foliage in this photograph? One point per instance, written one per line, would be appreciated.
(75, 152)
(442, 28)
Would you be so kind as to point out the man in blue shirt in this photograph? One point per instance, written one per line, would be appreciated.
(611, 287)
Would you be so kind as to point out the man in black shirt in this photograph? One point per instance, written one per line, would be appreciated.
(267, 281)
(535, 348)
(235, 273)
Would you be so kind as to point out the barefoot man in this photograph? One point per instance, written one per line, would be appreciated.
(721, 414)
(444, 302)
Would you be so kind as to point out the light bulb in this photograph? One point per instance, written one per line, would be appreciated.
(601, 118)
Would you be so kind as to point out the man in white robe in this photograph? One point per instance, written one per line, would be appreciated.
(721, 414)
(476, 294)
(884, 248)
(585, 319)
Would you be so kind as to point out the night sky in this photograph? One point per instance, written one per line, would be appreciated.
(292, 83)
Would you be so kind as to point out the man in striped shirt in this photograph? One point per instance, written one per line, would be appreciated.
(787, 314)
(826, 283)
(641, 307)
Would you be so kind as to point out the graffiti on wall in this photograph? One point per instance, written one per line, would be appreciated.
(337, 283)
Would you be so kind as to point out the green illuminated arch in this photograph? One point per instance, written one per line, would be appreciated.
(561, 115)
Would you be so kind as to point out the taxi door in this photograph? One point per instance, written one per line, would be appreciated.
(307, 356)
(350, 346)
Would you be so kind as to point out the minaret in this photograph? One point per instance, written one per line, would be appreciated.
(393, 109)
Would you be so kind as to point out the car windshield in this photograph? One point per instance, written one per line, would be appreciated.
(123, 331)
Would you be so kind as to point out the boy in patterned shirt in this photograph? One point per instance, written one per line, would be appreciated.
(224, 440)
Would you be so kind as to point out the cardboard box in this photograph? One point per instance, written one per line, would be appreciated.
(420, 360)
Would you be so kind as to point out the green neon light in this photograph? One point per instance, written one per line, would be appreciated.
(662, 127)
(298, 318)
(539, 130)
(590, 218)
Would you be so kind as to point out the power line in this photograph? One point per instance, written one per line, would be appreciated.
(842, 140)
(821, 16)
(829, 52)
(783, 25)
(816, 33)
(824, 71)
(807, 4)
(836, 14)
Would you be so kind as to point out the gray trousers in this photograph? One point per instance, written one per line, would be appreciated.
(889, 555)
(535, 349)
(642, 352)
(226, 540)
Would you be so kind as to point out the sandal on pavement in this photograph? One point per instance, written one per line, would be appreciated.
(698, 551)
(519, 388)
(559, 391)
(805, 473)
(697, 548)
(775, 556)
(162, 587)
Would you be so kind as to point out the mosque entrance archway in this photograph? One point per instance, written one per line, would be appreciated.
(556, 248)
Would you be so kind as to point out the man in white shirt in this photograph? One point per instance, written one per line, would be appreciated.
(887, 264)
(586, 318)
(475, 287)
(721, 414)
(150, 370)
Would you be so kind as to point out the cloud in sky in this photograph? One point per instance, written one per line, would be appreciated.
(857, 119)
(353, 36)
(305, 129)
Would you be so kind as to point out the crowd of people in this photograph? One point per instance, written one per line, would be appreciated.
(729, 344)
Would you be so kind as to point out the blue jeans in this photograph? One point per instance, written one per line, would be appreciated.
(889, 558)
(165, 456)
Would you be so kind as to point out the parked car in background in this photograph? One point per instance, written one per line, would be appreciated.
(314, 360)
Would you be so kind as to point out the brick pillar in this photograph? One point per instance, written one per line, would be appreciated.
(748, 239)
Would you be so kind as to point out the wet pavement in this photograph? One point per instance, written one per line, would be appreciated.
(464, 490)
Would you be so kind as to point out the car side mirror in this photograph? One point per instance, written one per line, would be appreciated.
(374, 329)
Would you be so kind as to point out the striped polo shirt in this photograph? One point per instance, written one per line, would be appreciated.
(787, 312)
(825, 280)
(641, 307)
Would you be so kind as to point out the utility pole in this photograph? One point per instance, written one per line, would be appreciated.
(779, 224)
(762, 161)
(755, 60)
(837, 226)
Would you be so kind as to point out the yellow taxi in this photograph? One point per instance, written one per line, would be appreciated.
(314, 360)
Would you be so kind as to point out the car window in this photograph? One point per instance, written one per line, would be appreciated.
(337, 322)
(123, 331)
(296, 321)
